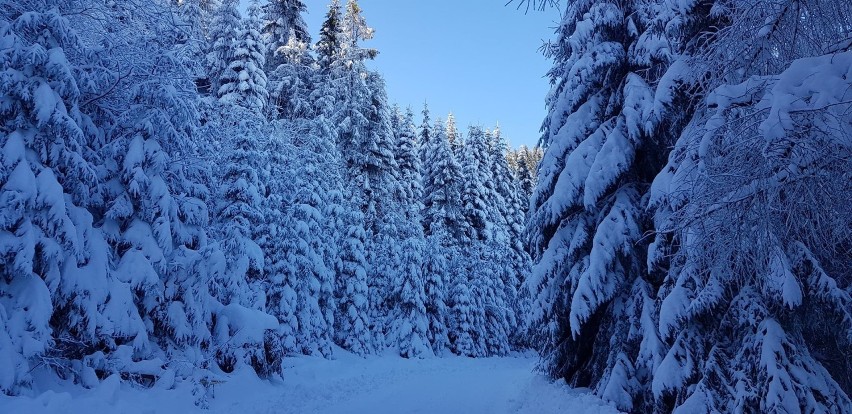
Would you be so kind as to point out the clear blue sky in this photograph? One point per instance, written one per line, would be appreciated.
(479, 59)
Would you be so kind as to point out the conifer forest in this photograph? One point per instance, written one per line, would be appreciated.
(204, 206)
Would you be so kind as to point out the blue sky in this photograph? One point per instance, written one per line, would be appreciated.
(476, 58)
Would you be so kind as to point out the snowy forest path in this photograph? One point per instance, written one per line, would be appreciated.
(378, 385)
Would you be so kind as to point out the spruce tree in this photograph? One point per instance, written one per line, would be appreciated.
(593, 297)
(435, 270)
(353, 325)
(411, 321)
(329, 45)
(742, 292)
(278, 281)
(292, 83)
(462, 321)
(283, 25)
(477, 190)
(454, 136)
(238, 212)
(443, 181)
(243, 82)
(58, 293)
(224, 31)
(424, 142)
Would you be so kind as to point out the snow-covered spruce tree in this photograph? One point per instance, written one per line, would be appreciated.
(243, 82)
(329, 45)
(238, 217)
(353, 326)
(593, 310)
(490, 264)
(410, 324)
(407, 155)
(410, 321)
(494, 316)
(224, 31)
(349, 95)
(328, 81)
(306, 271)
(291, 83)
(454, 136)
(289, 65)
(442, 189)
(361, 123)
(156, 214)
(435, 270)
(424, 142)
(755, 301)
(461, 320)
(525, 177)
(365, 139)
(341, 240)
(760, 268)
(278, 283)
(296, 239)
(283, 25)
(440, 175)
(515, 262)
(376, 174)
(60, 302)
(477, 189)
(309, 274)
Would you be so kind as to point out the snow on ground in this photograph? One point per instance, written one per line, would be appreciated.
(348, 384)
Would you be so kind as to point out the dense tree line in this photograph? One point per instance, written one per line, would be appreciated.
(690, 226)
(186, 191)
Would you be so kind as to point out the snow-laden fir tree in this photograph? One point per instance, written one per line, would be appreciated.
(329, 45)
(301, 176)
(359, 109)
(243, 83)
(326, 178)
(751, 224)
(354, 112)
(156, 217)
(342, 225)
(156, 211)
(454, 136)
(59, 298)
(760, 280)
(510, 250)
(375, 173)
(292, 83)
(279, 287)
(525, 180)
(239, 215)
(442, 189)
(435, 270)
(310, 273)
(411, 324)
(593, 314)
(407, 155)
(224, 31)
(461, 319)
(490, 259)
(477, 192)
(424, 142)
(493, 313)
(283, 25)
(353, 326)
